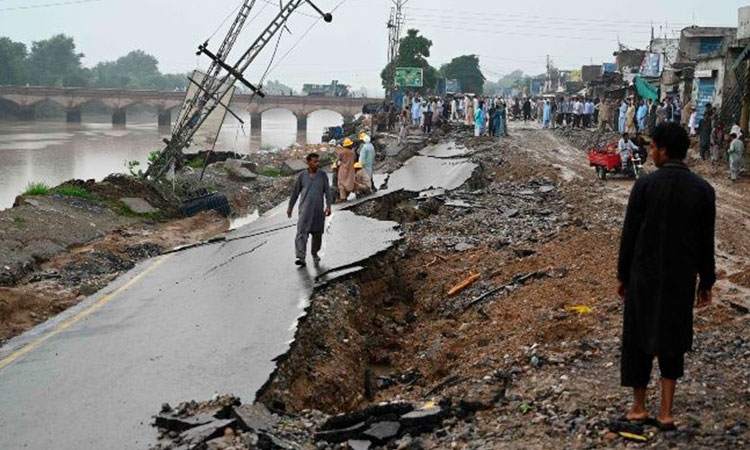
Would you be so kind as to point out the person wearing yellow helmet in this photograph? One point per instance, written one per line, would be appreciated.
(345, 163)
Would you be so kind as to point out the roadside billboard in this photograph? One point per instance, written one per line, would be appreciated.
(409, 77)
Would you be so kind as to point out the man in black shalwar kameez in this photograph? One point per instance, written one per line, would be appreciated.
(667, 242)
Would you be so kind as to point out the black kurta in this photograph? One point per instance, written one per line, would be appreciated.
(667, 241)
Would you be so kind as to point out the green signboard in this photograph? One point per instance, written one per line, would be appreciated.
(409, 77)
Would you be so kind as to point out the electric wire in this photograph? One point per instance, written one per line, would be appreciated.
(48, 5)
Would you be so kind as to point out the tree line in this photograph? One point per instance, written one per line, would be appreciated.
(56, 62)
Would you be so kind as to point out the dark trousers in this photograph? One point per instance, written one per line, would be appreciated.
(576, 120)
(300, 244)
(636, 365)
(427, 122)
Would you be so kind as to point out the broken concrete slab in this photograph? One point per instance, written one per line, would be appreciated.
(206, 432)
(381, 432)
(422, 173)
(293, 167)
(173, 422)
(138, 205)
(343, 434)
(377, 411)
(241, 174)
(423, 419)
(240, 164)
(445, 150)
(254, 417)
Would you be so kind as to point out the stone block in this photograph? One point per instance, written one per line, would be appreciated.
(138, 205)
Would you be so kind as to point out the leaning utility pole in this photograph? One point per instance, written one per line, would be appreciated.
(395, 23)
(220, 79)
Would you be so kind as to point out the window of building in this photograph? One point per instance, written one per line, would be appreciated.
(709, 45)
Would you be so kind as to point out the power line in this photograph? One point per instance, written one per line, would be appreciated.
(47, 5)
(529, 16)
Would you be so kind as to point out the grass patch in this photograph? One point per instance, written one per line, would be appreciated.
(196, 163)
(73, 191)
(270, 172)
(37, 189)
(19, 222)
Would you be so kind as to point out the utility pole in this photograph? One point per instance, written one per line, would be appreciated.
(395, 23)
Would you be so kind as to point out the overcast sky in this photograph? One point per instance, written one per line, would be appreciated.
(507, 35)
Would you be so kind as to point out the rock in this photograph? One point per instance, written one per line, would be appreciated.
(240, 164)
(358, 444)
(423, 419)
(206, 432)
(293, 167)
(241, 174)
(482, 397)
(546, 189)
(610, 436)
(381, 432)
(510, 213)
(138, 205)
(254, 418)
(349, 419)
(463, 246)
(342, 434)
(268, 441)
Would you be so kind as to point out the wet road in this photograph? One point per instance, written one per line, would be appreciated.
(182, 326)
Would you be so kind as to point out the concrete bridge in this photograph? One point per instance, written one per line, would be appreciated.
(118, 100)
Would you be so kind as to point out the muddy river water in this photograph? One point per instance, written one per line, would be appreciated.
(53, 151)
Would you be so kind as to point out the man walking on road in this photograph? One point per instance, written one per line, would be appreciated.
(736, 149)
(312, 189)
(667, 242)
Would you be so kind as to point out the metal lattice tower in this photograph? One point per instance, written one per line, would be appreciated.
(221, 77)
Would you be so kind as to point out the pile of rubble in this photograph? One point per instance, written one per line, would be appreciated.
(225, 423)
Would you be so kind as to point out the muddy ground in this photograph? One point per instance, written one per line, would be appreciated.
(514, 357)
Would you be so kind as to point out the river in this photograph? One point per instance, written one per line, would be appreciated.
(53, 152)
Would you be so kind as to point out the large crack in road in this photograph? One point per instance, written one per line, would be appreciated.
(185, 325)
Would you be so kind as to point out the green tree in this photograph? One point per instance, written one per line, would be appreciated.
(413, 51)
(466, 70)
(136, 70)
(55, 62)
(12, 62)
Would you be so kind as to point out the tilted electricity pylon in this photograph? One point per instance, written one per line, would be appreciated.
(220, 78)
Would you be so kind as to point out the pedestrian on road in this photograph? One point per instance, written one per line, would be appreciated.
(527, 110)
(315, 196)
(667, 242)
(367, 157)
(622, 118)
(345, 163)
(641, 116)
(705, 129)
(546, 114)
(416, 112)
(403, 134)
(479, 120)
(736, 149)
(693, 122)
(630, 117)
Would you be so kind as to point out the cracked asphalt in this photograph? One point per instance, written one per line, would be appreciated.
(185, 325)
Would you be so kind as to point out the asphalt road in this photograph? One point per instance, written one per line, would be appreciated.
(182, 326)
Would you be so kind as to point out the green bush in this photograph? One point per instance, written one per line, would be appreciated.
(36, 189)
(73, 191)
(197, 163)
